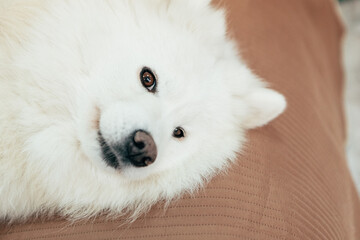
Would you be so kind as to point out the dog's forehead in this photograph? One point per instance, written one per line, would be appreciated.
(183, 67)
(180, 60)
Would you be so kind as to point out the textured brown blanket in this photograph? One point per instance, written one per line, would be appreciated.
(292, 180)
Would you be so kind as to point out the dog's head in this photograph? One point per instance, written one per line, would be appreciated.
(170, 92)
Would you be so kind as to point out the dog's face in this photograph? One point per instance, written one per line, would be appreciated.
(160, 105)
(165, 98)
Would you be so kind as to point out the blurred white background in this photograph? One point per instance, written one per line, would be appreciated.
(351, 15)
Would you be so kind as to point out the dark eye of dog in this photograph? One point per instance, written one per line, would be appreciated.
(148, 79)
(179, 132)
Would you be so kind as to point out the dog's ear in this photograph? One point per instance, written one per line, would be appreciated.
(263, 105)
(254, 104)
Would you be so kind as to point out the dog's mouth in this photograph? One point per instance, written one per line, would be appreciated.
(109, 155)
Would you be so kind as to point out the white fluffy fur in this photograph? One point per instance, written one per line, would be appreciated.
(68, 68)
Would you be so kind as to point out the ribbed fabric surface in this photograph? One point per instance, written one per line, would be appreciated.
(292, 181)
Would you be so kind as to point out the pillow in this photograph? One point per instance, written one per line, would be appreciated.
(292, 180)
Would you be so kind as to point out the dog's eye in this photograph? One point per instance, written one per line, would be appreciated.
(179, 132)
(148, 79)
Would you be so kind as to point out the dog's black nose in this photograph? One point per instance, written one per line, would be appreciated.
(141, 149)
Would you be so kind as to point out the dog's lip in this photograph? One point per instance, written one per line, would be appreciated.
(107, 153)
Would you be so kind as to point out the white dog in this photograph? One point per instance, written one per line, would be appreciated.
(116, 104)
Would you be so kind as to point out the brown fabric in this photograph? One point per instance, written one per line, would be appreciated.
(292, 181)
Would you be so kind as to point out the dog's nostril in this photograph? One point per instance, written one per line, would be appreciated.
(140, 145)
(141, 138)
(142, 149)
(147, 161)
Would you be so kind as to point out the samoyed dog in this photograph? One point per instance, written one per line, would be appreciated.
(113, 105)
